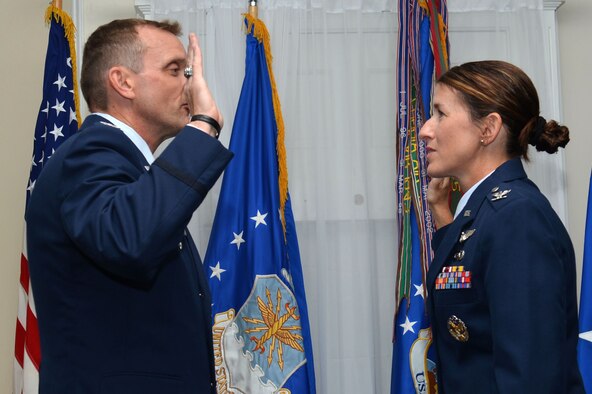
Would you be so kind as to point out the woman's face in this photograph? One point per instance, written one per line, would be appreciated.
(451, 137)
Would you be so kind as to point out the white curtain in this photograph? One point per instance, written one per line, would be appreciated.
(335, 65)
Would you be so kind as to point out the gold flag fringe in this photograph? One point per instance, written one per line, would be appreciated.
(62, 17)
(442, 31)
(262, 35)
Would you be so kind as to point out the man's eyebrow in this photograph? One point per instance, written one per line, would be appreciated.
(181, 62)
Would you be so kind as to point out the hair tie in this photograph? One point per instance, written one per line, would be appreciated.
(537, 130)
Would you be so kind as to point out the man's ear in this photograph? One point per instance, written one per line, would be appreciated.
(121, 80)
(491, 127)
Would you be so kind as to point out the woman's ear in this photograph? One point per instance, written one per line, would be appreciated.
(492, 125)
(121, 80)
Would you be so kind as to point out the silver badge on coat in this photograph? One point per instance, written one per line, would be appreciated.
(500, 194)
(466, 235)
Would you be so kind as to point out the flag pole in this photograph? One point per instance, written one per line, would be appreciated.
(253, 8)
(57, 4)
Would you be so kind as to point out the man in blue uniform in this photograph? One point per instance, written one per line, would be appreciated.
(121, 298)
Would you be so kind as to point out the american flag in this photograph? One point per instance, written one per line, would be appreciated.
(58, 119)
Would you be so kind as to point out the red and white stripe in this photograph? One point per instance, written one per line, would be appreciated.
(27, 348)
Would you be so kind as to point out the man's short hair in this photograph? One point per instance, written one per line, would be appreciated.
(115, 44)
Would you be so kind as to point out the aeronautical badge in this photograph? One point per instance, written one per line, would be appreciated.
(458, 329)
(257, 350)
(466, 235)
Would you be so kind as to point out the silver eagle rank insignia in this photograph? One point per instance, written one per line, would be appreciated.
(497, 194)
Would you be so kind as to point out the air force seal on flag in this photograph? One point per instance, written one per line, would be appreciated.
(257, 350)
(422, 368)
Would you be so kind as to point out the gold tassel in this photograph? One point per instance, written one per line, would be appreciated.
(262, 35)
(62, 17)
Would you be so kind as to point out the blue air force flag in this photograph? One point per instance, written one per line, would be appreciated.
(261, 334)
(423, 57)
(585, 342)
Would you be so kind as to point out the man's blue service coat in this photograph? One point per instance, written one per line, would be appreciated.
(120, 293)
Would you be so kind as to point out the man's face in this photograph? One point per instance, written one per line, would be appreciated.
(161, 99)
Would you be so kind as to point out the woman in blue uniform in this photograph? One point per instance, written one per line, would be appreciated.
(502, 284)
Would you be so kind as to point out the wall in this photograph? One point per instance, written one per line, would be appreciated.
(23, 44)
(576, 62)
(23, 60)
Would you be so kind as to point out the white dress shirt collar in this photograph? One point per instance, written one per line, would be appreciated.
(131, 134)
(465, 198)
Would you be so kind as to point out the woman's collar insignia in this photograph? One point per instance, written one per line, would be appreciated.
(498, 195)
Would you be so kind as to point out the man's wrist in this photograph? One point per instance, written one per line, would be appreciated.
(212, 123)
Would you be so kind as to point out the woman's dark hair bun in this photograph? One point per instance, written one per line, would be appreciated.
(552, 137)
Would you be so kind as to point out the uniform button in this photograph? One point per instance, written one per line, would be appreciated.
(200, 294)
(180, 245)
